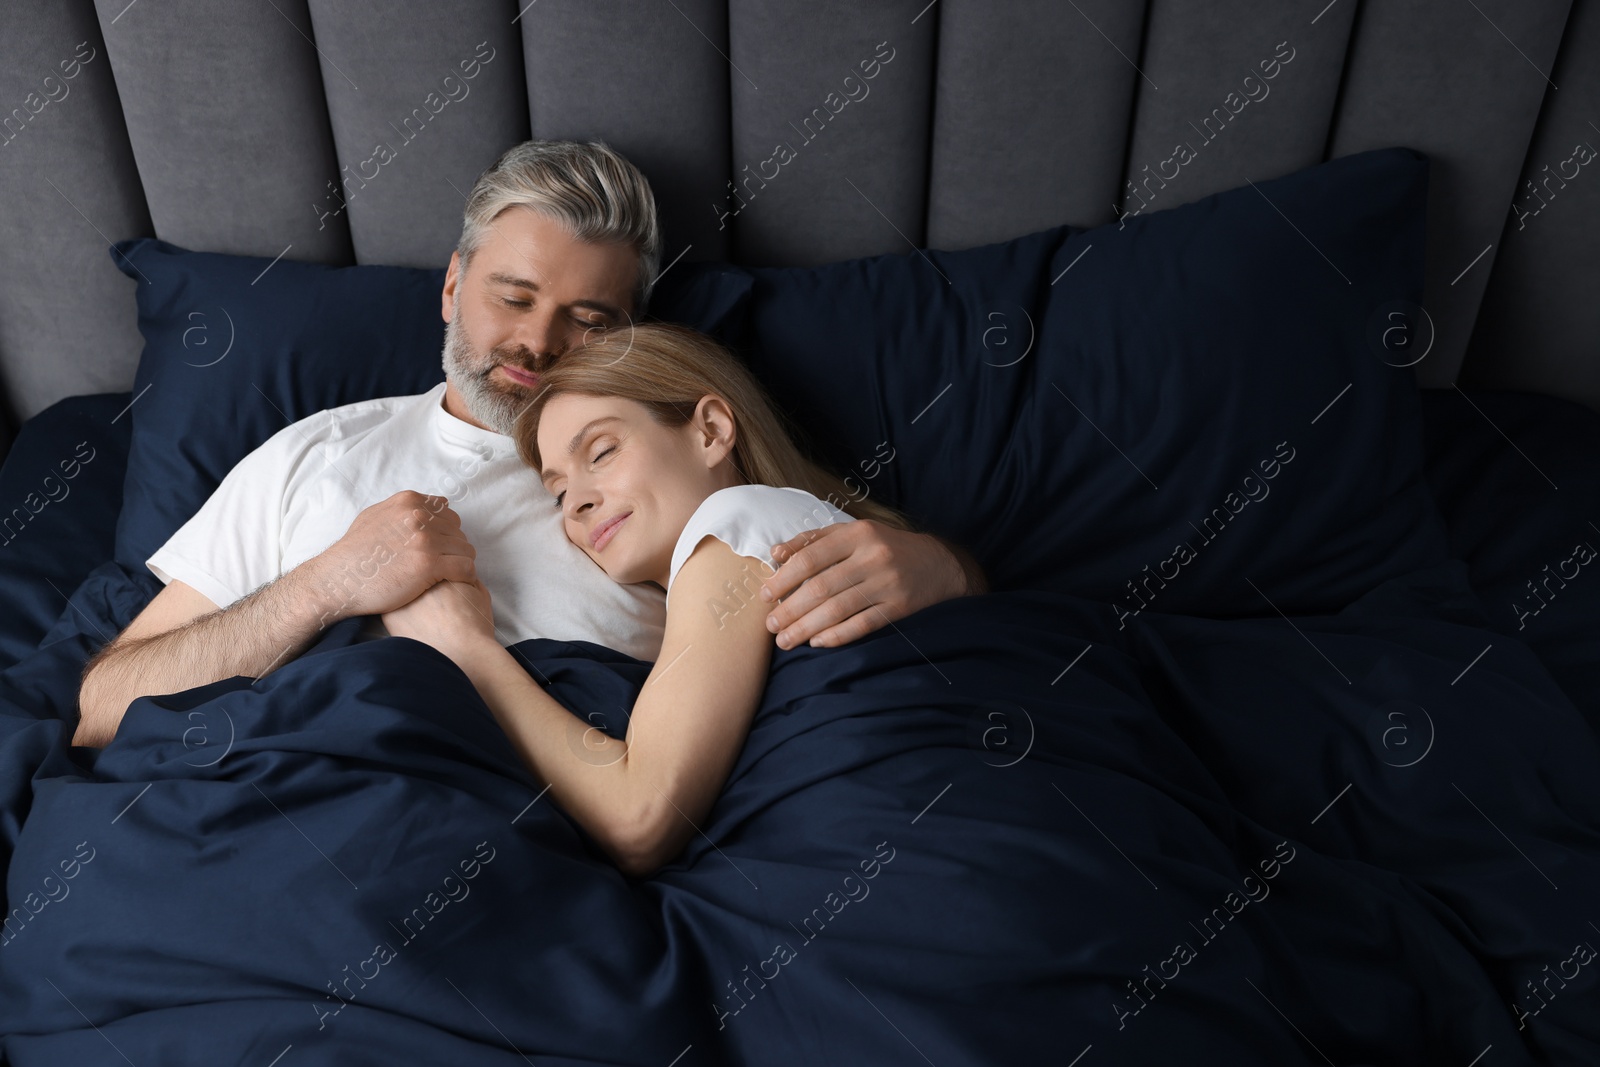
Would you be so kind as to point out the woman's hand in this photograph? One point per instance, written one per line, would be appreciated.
(454, 617)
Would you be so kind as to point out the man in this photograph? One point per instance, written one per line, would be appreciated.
(358, 510)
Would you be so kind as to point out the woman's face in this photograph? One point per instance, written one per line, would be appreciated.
(626, 484)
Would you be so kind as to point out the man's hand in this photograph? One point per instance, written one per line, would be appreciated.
(848, 579)
(393, 551)
(454, 617)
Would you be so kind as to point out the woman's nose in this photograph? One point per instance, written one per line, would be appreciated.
(579, 502)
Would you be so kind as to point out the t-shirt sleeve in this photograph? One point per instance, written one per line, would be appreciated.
(750, 519)
(234, 543)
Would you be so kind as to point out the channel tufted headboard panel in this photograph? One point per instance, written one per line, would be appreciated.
(787, 132)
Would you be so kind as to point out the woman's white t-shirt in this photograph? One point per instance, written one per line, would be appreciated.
(750, 519)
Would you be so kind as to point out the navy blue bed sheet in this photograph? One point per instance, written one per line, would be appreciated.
(1005, 831)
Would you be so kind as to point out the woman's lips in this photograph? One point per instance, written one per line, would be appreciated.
(606, 531)
(518, 375)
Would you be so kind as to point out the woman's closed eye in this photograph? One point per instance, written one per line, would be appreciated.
(597, 458)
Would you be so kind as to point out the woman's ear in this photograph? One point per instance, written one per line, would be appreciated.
(714, 424)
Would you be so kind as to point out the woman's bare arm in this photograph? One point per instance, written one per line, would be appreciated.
(644, 797)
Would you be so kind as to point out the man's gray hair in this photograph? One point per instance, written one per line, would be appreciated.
(588, 187)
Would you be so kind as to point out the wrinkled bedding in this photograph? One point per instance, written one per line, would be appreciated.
(1009, 829)
(1004, 830)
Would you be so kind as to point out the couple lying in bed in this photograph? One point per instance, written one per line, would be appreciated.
(668, 466)
(670, 469)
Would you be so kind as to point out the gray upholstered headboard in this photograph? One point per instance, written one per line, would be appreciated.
(229, 125)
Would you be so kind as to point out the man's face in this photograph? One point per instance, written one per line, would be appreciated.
(531, 292)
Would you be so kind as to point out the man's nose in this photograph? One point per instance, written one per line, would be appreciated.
(544, 335)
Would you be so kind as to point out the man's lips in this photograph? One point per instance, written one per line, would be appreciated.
(518, 375)
(602, 534)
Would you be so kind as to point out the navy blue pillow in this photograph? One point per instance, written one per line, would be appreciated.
(62, 487)
(238, 347)
(1199, 411)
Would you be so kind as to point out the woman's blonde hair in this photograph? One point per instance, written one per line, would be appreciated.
(668, 369)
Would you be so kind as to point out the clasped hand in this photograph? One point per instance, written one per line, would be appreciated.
(453, 617)
(832, 586)
(407, 560)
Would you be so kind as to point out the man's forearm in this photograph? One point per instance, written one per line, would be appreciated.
(977, 581)
(252, 637)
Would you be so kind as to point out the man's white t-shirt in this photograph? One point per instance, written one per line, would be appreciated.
(750, 519)
(299, 492)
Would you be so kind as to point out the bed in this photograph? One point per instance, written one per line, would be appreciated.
(1277, 741)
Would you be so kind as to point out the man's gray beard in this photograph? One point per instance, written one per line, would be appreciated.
(491, 403)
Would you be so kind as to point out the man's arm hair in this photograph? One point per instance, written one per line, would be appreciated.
(182, 640)
(393, 550)
(977, 581)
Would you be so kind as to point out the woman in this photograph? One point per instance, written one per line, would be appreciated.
(671, 466)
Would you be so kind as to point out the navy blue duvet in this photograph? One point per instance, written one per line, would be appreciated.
(1003, 831)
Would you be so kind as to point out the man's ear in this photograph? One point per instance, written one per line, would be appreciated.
(447, 297)
(714, 423)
